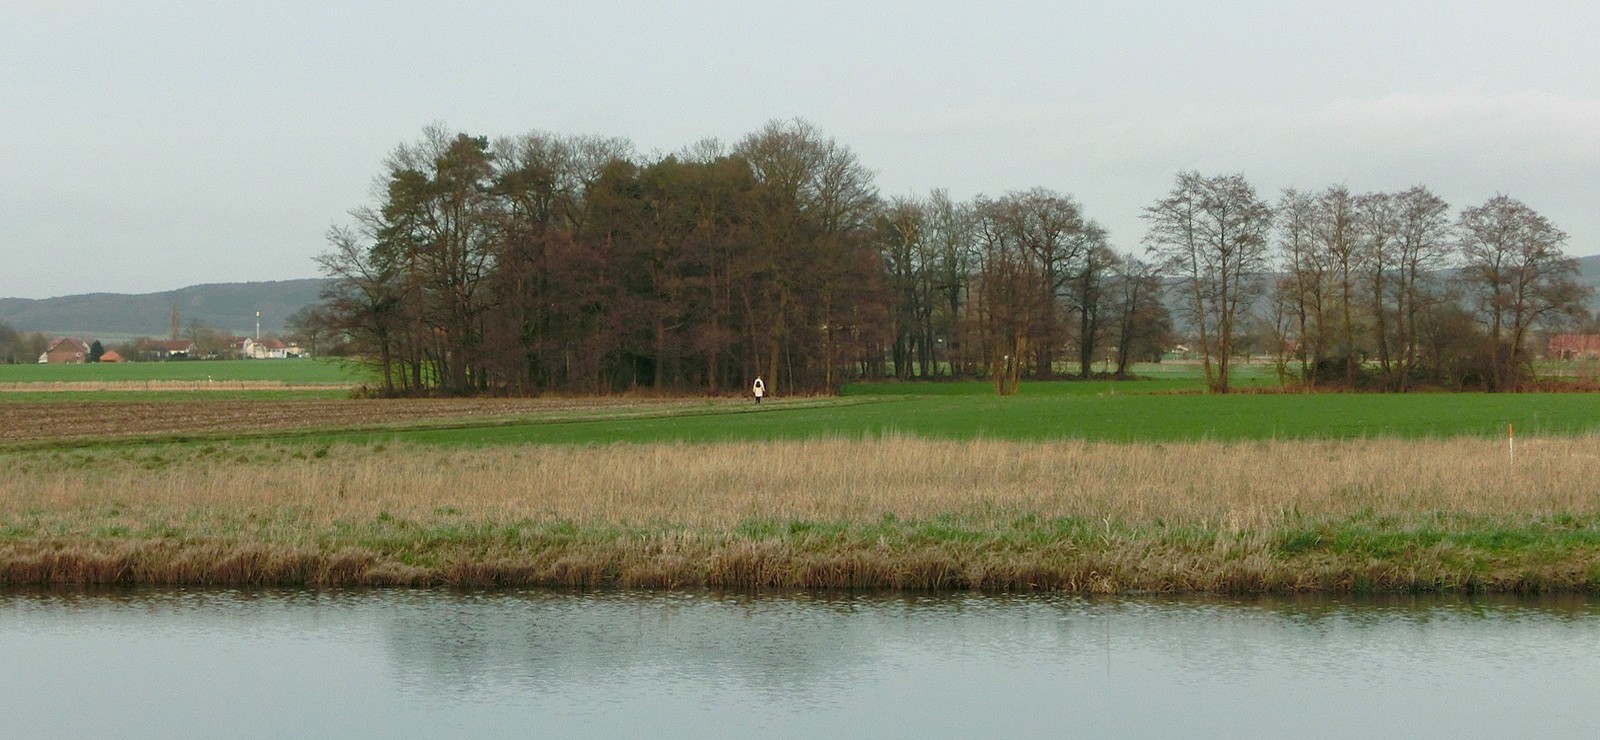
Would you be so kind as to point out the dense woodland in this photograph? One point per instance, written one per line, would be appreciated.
(550, 263)
(542, 263)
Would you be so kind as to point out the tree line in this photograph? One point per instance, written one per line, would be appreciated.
(548, 263)
(1382, 291)
(21, 347)
(540, 262)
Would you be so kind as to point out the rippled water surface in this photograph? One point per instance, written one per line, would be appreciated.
(618, 664)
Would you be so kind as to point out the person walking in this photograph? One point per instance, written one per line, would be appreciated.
(759, 389)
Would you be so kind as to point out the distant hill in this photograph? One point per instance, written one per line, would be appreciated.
(229, 307)
(1175, 299)
(1589, 274)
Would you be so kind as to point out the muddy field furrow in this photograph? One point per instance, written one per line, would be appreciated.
(32, 422)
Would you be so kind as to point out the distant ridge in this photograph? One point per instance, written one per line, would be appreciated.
(229, 307)
(1589, 274)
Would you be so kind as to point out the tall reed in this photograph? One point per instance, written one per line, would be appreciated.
(871, 513)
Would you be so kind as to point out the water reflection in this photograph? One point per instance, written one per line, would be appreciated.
(422, 663)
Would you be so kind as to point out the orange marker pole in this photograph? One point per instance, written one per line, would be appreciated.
(1511, 443)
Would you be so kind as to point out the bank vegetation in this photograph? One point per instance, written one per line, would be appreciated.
(883, 513)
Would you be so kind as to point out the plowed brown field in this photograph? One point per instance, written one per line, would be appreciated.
(37, 422)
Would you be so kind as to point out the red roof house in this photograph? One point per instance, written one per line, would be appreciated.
(66, 350)
(1574, 346)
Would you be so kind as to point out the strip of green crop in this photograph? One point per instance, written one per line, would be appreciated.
(1117, 418)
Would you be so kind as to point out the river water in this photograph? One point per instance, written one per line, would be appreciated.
(394, 663)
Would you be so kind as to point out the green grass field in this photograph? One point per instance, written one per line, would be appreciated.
(1061, 411)
(289, 372)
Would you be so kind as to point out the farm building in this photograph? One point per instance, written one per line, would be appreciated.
(264, 349)
(1574, 346)
(166, 349)
(269, 348)
(66, 351)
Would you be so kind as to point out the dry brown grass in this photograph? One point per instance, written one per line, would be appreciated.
(1241, 485)
(880, 513)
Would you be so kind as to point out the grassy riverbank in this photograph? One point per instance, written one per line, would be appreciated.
(894, 512)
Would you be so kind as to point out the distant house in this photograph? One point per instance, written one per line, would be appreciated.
(111, 355)
(269, 348)
(1574, 346)
(66, 351)
(167, 349)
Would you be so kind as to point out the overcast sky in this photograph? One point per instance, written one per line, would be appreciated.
(153, 145)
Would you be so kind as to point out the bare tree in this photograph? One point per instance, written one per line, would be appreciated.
(1377, 231)
(1050, 228)
(439, 212)
(950, 263)
(1141, 328)
(1515, 267)
(1007, 294)
(903, 241)
(1211, 233)
(811, 235)
(545, 278)
(1284, 313)
(1304, 292)
(310, 327)
(11, 350)
(1338, 244)
(1422, 245)
(1088, 293)
(362, 299)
